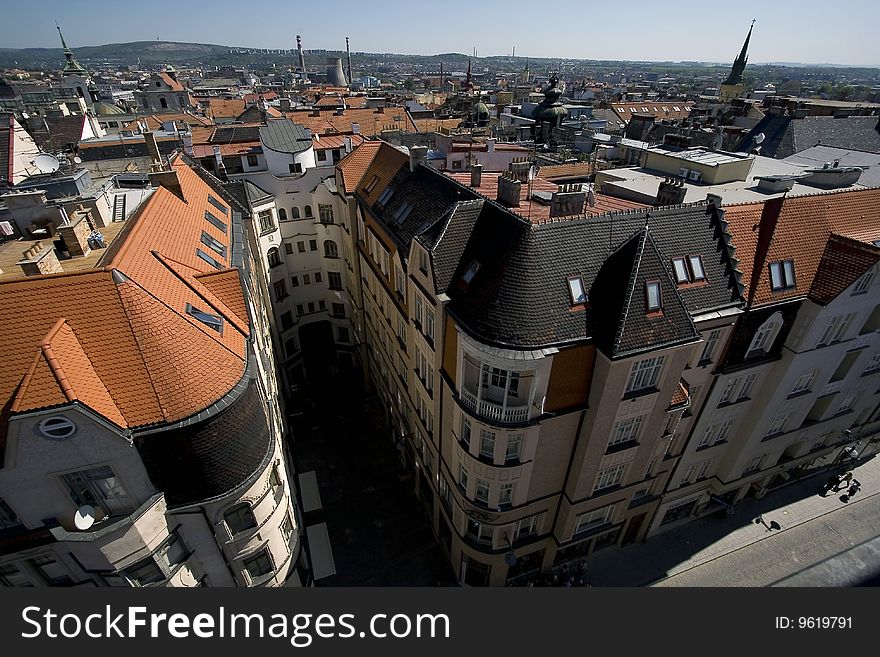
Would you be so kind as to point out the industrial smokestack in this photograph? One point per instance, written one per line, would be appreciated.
(348, 53)
(335, 74)
(299, 53)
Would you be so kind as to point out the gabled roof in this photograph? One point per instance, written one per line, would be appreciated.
(618, 299)
(448, 238)
(797, 229)
(119, 339)
(843, 263)
(57, 133)
(786, 135)
(224, 108)
(353, 165)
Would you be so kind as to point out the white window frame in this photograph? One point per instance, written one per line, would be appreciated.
(626, 430)
(609, 477)
(645, 374)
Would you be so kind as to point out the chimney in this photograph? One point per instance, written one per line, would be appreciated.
(714, 200)
(153, 150)
(284, 104)
(568, 200)
(347, 141)
(380, 109)
(348, 54)
(490, 145)
(76, 234)
(355, 128)
(670, 192)
(520, 168)
(476, 175)
(417, 154)
(299, 52)
(170, 181)
(39, 260)
(509, 189)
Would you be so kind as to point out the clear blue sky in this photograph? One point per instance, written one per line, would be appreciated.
(809, 31)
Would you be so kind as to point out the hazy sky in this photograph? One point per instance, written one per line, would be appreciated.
(809, 31)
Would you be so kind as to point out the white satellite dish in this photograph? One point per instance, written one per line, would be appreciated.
(77, 160)
(531, 173)
(46, 163)
(759, 138)
(84, 517)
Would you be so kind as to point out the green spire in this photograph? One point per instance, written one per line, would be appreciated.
(72, 66)
(739, 65)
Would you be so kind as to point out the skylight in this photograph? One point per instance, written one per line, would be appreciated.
(689, 270)
(782, 275)
(213, 244)
(383, 198)
(471, 272)
(214, 322)
(681, 272)
(211, 261)
(652, 295)
(576, 289)
(403, 212)
(215, 221)
(697, 271)
(372, 184)
(217, 204)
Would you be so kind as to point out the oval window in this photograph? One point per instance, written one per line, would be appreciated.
(56, 428)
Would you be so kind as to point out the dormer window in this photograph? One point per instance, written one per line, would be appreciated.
(576, 289)
(211, 321)
(689, 270)
(652, 296)
(782, 275)
(471, 272)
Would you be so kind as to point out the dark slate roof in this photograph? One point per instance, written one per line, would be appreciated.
(235, 134)
(447, 239)
(6, 147)
(199, 462)
(285, 136)
(844, 261)
(786, 135)
(58, 133)
(622, 324)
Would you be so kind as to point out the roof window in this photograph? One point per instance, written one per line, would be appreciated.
(403, 212)
(576, 289)
(471, 271)
(383, 198)
(211, 261)
(217, 204)
(782, 275)
(215, 221)
(213, 244)
(689, 269)
(372, 184)
(652, 296)
(211, 321)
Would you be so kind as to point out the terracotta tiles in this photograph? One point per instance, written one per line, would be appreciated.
(119, 339)
(171, 82)
(337, 141)
(387, 162)
(557, 172)
(225, 108)
(155, 121)
(353, 165)
(845, 260)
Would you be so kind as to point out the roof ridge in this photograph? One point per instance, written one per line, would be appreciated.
(630, 286)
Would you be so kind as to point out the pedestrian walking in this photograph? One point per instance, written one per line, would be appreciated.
(832, 484)
(847, 478)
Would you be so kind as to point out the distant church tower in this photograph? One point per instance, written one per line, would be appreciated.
(75, 77)
(733, 86)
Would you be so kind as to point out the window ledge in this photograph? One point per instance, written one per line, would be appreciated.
(621, 447)
(643, 392)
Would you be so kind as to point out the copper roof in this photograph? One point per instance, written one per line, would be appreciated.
(118, 338)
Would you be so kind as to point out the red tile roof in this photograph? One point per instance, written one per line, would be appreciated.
(171, 82)
(224, 108)
(337, 141)
(672, 109)
(118, 339)
(538, 212)
(353, 165)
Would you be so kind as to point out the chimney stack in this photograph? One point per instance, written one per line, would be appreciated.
(348, 54)
(520, 168)
(568, 200)
(417, 154)
(509, 189)
(153, 150)
(476, 175)
(38, 260)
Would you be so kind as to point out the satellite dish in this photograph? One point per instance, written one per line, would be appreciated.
(531, 173)
(759, 138)
(46, 163)
(77, 160)
(84, 517)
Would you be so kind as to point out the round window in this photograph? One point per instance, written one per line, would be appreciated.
(56, 428)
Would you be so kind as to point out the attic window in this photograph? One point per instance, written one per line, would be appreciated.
(369, 188)
(217, 204)
(383, 198)
(471, 272)
(56, 428)
(211, 321)
(576, 289)
(402, 212)
(782, 275)
(213, 244)
(652, 296)
(211, 261)
(215, 221)
(689, 270)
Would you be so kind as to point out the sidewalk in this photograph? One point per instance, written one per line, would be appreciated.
(680, 550)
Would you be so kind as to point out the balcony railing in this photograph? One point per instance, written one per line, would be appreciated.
(493, 411)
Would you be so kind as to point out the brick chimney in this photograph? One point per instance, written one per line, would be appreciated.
(509, 189)
(39, 260)
(568, 200)
(670, 192)
(76, 233)
(520, 169)
(417, 154)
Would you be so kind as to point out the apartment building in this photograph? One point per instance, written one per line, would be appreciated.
(531, 350)
(797, 383)
(142, 429)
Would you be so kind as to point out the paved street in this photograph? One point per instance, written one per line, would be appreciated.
(822, 541)
(379, 534)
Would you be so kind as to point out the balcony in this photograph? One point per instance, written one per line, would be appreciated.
(494, 412)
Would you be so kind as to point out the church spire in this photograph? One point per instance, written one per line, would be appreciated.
(739, 65)
(469, 81)
(72, 66)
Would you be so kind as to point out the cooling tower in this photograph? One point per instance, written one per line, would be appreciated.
(335, 74)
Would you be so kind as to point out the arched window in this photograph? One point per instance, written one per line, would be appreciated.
(330, 250)
(282, 214)
(294, 212)
(308, 211)
(239, 518)
(765, 336)
(273, 257)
